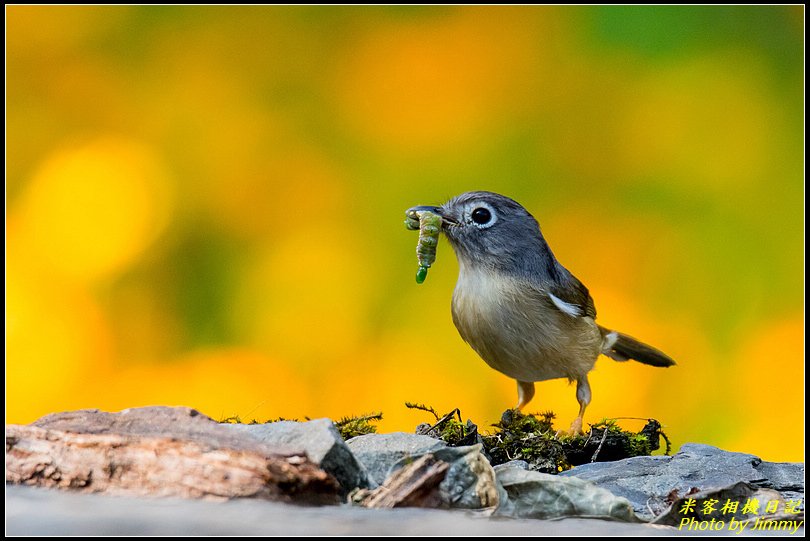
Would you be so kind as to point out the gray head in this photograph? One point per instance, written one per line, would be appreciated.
(493, 231)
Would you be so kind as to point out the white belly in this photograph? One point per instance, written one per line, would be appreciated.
(518, 331)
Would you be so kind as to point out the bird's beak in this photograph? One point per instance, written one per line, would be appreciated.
(422, 208)
(447, 220)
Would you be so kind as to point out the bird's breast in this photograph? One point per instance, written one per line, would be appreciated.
(516, 329)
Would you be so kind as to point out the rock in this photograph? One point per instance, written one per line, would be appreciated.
(521, 464)
(649, 482)
(320, 440)
(378, 453)
(38, 511)
(449, 477)
(787, 478)
(156, 421)
(532, 494)
(414, 485)
(696, 510)
(470, 482)
(159, 451)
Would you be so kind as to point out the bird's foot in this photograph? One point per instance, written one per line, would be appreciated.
(576, 427)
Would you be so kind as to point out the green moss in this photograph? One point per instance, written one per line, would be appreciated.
(236, 420)
(527, 437)
(448, 427)
(280, 419)
(532, 438)
(350, 427)
(519, 436)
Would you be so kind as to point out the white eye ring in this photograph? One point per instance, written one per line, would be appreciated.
(472, 207)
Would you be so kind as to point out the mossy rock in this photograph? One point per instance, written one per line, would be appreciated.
(532, 438)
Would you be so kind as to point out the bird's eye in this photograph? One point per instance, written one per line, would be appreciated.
(481, 216)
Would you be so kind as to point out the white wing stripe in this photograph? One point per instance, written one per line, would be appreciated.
(565, 307)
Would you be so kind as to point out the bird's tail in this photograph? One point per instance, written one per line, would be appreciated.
(621, 347)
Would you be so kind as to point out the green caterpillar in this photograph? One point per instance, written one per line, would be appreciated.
(429, 225)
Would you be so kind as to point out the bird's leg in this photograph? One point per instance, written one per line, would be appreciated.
(584, 398)
(525, 394)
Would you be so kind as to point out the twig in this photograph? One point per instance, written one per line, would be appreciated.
(444, 419)
(604, 437)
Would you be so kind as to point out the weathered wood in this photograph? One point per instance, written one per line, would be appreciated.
(415, 485)
(158, 452)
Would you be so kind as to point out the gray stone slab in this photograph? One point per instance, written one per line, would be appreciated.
(379, 453)
(534, 494)
(35, 511)
(319, 439)
(647, 481)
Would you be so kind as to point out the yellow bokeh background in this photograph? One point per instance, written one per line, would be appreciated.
(204, 206)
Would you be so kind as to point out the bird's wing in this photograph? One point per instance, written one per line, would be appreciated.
(571, 297)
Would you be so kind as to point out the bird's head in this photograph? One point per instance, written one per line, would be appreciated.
(488, 230)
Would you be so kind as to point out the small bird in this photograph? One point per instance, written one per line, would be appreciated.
(524, 313)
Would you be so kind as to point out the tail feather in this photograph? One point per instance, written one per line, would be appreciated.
(621, 347)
